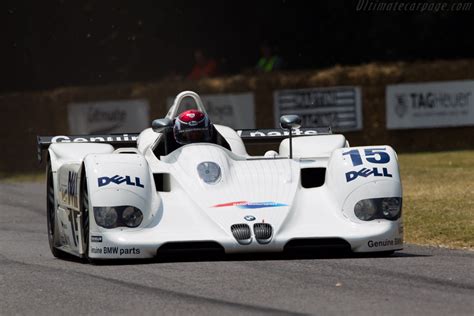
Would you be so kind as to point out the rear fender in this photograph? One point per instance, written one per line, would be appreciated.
(74, 153)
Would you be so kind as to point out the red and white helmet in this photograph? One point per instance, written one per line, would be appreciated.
(192, 126)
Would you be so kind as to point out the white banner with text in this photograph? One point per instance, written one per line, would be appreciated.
(335, 107)
(106, 117)
(430, 104)
(236, 110)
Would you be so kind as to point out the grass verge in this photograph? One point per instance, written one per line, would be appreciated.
(438, 198)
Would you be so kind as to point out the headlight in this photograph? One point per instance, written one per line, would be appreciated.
(389, 208)
(365, 210)
(105, 216)
(116, 216)
(209, 172)
(132, 217)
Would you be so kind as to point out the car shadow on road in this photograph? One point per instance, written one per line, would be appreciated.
(320, 254)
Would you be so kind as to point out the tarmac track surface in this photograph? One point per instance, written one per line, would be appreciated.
(417, 280)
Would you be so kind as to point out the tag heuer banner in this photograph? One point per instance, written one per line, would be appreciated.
(106, 117)
(336, 107)
(234, 110)
(432, 104)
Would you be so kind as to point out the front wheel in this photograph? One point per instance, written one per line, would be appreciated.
(51, 213)
(84, 209)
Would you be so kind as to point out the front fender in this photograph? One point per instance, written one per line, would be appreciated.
(358, 173)
(121, 180)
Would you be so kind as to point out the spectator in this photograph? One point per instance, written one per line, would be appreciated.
(268, 61)
(203, 67)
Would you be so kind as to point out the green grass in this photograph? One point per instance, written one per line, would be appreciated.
(438, 201)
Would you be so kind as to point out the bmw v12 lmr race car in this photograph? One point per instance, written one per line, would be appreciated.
(139, 196)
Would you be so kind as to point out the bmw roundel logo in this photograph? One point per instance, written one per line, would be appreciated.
(249, 218)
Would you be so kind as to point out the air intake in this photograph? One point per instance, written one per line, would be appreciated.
(189, 247)
(263, 232)
(308, 244)
(241, 233)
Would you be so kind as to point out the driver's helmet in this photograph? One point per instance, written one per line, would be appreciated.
(192, 126)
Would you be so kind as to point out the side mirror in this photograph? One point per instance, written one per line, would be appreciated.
(290, 121)
(160, 124)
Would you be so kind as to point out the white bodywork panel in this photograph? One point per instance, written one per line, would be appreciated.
(236, 144)
(313, 146)
(248, 190)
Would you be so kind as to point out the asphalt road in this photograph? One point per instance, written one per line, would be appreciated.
(418, 280)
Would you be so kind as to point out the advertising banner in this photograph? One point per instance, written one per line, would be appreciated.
(336, 107)
(236, 110)
(106, 117)
(431, 104)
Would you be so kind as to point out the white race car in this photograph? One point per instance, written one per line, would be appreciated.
(140, 196)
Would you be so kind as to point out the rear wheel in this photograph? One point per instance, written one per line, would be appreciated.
(51, 213)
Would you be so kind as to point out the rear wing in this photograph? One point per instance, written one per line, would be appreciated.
(116, 140)
(130, 140)
(278, 134)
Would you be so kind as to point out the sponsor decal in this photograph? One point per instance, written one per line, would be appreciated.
(251, 205)
(103, 181)
(364, 172)
(93, 138)
(385, 243)
(249, 218)
(69, 191)
(269, 133)
(370, 155)
(96, 238)
(115, 251)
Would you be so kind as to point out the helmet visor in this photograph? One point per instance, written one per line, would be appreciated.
(195, 135)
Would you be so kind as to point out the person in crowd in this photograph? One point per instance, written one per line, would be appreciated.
(269, 61)
(204, 66)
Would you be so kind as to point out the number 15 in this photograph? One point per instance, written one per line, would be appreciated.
(373, 155)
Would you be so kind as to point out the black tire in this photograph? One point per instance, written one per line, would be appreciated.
(51, 213)
(84, 208)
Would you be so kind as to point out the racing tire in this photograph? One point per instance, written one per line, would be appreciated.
(51, 214)
(84, 209)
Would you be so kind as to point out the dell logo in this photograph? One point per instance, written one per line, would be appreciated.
(102, 181)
